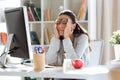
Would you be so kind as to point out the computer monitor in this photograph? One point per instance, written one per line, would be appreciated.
(19, 43)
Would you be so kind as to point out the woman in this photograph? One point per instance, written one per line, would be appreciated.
(70, 40)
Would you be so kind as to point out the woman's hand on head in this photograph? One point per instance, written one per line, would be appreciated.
(68, 30)
(56, 34)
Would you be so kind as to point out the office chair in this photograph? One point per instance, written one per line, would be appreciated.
(96, 53)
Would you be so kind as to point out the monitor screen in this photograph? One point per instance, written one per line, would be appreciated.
(16, 25)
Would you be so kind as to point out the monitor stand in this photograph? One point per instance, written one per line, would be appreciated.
(3, 56)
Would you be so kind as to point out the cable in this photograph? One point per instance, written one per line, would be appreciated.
(10, 51)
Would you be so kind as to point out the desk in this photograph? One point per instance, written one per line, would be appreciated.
(96, 73)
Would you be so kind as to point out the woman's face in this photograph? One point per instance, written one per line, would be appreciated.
(62, 23)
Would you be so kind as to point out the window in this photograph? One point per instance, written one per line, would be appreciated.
(6, 4)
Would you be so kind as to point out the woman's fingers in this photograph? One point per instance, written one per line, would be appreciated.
(67, 30)
(56, 31)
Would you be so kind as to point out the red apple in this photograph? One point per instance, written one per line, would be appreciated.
(77, 63)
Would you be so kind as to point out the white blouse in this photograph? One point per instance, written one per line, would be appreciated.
(59, 50)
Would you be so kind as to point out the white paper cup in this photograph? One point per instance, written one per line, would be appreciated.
(67, 65)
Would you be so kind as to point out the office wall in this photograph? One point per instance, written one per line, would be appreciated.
(107, 22)
(10, 78)
(118, 20)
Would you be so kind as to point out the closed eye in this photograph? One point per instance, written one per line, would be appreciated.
(64, 22)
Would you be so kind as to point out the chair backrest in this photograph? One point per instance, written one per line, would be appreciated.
(96, 53)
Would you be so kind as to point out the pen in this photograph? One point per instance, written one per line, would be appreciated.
(43, 50)
(35, 50)
(38, 50)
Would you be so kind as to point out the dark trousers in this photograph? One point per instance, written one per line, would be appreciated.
(61, 79)
(67, 79)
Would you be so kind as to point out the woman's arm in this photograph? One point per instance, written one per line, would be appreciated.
(79, 50)
(51, 55)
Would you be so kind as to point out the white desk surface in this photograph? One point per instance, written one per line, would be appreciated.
(99, 72)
